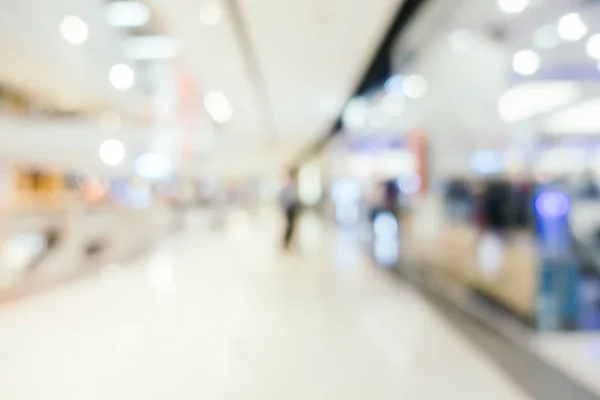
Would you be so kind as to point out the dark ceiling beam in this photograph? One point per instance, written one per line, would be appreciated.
(375, 75)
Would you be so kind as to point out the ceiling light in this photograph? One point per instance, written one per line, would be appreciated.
(112, 152)
(486, 161)
(526, 62)
(532, 99)
(513, 6)
(414, 86)
(218, 106)
(593, 46)
(461, 40)
(545, 37)
(153, 166)
(581, 118)
(74, 29)
(151, 48)
(127, 14)
(210, 13)
(122, 77)
(356, 113)
(571, 27)
(394, 84)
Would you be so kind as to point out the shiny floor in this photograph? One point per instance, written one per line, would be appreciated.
(224, 314)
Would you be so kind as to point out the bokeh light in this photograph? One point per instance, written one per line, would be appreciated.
(593, 46)
(414, 86)
(526, 62)
(572, 28)
(513, 6)
(552, 204)
(112, 152)
(217, 105)
(74, 30)
(122, 77)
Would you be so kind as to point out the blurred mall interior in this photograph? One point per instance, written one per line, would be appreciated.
(318, 199)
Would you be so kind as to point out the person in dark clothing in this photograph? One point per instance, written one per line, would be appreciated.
(289, 201)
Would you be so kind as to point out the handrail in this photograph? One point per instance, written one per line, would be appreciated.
(76, 239)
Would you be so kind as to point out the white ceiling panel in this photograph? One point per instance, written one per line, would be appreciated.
(309, 55)
(303, 61)
(312, 54)
(37, 57)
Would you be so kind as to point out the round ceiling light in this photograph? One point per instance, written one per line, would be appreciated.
(122, 77)
(153, 165)
(394, 84)
(218, 106)
(112, 152)
(526, 62)
(513, 6)
(210, 13)
(593, 46)
(414, 86)
(571, 27)
(74, 30)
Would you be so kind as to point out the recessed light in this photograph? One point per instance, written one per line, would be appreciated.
(218, 106)
(571, 27)
(74, 29)
(394, 84)
(526, 62)
(122, 77)
(593, 46)
(112, 152)
(127, 14)
(153, 165)
(513, 6)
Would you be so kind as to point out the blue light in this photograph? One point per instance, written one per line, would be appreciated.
(153, 166)
(486, 162)
(410, 184)
(552, 204)
(385, 225)
(394, 84)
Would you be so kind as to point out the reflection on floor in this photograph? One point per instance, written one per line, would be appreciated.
(577, 354)
(226, 315)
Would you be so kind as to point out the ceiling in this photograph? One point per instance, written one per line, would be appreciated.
(464, 50)
(35, 57)
(287, 68)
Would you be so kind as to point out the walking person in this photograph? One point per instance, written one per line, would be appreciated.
(289, 201)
